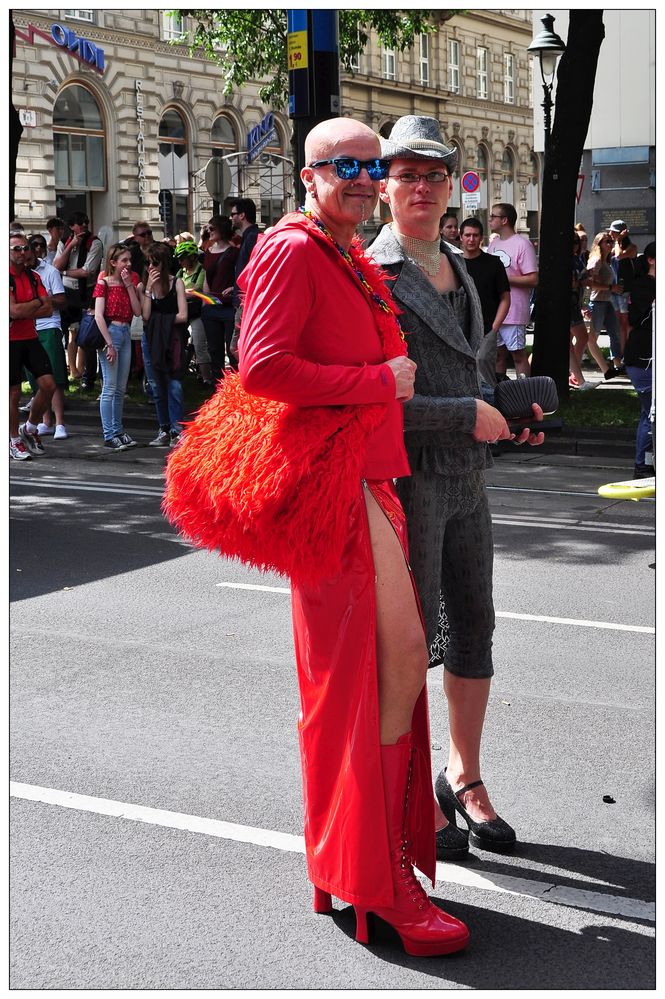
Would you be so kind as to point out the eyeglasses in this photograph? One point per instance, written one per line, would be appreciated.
(348, 168)
(20, 249)
(146, 232)
(231, 214)
(433, 177)
(497, 216)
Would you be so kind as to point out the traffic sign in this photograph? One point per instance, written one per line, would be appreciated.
(470, 202)
(470, 182)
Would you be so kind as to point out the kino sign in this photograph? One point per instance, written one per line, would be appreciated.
(260, 136)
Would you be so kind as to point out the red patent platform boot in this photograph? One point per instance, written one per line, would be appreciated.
(424, 929)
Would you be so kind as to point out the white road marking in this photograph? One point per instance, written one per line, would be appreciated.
(524, 520)
(608, 625)
(553, 492)
(448, 873)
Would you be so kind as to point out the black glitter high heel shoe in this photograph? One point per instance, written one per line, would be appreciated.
(492, 834)
(451, 843)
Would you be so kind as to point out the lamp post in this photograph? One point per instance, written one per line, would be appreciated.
(548, 47)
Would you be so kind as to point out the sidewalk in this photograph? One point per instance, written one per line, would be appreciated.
(85, 440)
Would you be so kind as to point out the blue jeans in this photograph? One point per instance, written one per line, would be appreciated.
(115, 380)
(167, 393)
(643, 385)
(603, 317)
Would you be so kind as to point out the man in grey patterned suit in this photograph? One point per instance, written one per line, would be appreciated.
(447, 428)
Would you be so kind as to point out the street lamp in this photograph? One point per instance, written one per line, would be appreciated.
(548, 47)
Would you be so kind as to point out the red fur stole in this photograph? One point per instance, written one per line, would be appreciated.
(272, 484)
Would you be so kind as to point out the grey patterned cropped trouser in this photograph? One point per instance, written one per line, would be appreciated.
(451, 553)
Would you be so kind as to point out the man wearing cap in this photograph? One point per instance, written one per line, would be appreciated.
(623, 265)
(447, 427)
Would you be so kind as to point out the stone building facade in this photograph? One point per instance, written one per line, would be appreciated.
(121, 122)
(126, 134)
(474, 76)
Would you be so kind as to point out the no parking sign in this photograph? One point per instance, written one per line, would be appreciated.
(471, 191)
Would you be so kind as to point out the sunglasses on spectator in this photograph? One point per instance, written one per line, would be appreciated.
(20, 249)
(433, 177)
(145, 232)
(348, 168)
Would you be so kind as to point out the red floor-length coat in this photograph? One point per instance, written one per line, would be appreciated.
(309, 337)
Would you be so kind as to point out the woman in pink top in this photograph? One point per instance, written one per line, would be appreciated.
(118, 296)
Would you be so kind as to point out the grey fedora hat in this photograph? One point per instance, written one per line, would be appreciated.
(415, 137)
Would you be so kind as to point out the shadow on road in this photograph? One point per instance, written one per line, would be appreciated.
(508, 952)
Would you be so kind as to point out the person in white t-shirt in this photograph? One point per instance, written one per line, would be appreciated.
(519, 258)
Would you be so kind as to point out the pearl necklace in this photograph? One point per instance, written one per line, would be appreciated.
(425, 253)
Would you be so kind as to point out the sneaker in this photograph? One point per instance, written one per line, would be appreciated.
(60, 433)
(25, 408)
(175, 437)
(18, 450)
(586, 386)
(127, 440)
(31, 440)
(44, 430)
(163, 439)
(115, 444)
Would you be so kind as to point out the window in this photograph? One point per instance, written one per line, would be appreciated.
(453, 66)
(173, 173)
(508, 177)
(424, 60)
(389, 64)
(482, 167)
(456, 194)
(481, 73)
(172, 27)
(354, 62)
(81, 15)
(509, 78)
(224, 141)
(78, 141)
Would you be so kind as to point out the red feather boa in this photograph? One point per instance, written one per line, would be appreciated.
(272, 484)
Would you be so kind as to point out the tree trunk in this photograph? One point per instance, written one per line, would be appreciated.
(574, 101)
(15, 126)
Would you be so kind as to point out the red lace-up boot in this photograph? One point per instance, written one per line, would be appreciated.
(423, 928)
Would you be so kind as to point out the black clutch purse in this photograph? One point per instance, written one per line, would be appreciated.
(514, 398)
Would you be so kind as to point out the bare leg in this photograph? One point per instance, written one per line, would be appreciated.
(41, 401)
(596, 352)
(521, 362)
(501, 360)
(72, 354)
(400, 639)
(57, 408)
(467, 702)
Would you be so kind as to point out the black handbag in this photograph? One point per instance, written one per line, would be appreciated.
(89, 335)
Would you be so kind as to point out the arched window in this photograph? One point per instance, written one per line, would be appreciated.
(173, 173)
(456, 195)
(224, 141)
(275, 179)
(508, 177)
(78, 141)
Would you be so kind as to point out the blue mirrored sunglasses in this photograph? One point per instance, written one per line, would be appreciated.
(348, 168)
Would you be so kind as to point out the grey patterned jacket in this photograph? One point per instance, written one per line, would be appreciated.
(440, 418)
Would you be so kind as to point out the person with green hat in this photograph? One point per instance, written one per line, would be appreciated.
(193, 275)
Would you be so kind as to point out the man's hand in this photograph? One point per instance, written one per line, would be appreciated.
(490, 424)
(404, 371)
(526, 435)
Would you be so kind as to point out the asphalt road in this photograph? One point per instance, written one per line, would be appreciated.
(156, 811)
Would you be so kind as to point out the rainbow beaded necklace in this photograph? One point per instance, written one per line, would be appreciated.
(370, 277)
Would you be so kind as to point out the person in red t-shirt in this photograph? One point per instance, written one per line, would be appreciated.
(28, 301)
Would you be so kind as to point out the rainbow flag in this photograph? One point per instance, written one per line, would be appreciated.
(208, 299)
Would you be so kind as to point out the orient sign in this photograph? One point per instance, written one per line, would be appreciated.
(81, 48)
